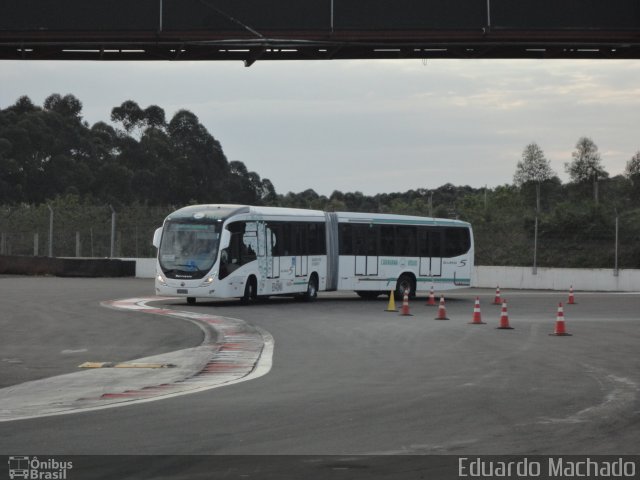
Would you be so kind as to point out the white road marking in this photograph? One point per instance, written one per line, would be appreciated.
(232, 352)
(620, 394)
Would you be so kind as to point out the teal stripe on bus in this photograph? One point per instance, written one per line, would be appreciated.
(419, 279)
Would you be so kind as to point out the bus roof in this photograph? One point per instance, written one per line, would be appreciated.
(212, 212)
(224, 211)
(287, 211)
(392, 219)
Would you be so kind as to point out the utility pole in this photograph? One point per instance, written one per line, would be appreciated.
(485, 198)
(535, 248)
(50, 230)
(431, 204)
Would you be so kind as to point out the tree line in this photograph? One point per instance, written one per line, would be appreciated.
(146, 163)
(48, 151)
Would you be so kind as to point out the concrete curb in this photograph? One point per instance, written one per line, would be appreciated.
(232, 351)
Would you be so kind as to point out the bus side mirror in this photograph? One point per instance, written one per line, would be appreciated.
(157, 235)
(225, 239)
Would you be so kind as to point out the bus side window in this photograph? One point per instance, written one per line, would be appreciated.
(249, 245)
(274, 233)
(406, 241)
(373, 232)
(233, 256)
(281, 243)
(299, 244)
(346, 237)
(435, 245)
(387, 240)
(317, 239)
(286, 239)
(457, 242)
(360, 239)
(423, 242)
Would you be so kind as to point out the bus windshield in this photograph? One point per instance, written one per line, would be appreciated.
(189, 248)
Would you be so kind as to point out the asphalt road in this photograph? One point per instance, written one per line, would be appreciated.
(348, 378)
(51, 325)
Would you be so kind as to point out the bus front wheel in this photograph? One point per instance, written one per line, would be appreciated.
(250, 291)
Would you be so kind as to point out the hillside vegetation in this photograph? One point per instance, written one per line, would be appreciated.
(143, 165)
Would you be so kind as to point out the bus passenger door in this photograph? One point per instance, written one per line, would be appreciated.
(372, 265)
(302, 266)
(366, 265)
(425, 266)
(436, 267)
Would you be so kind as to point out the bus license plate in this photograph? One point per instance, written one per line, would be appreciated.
(183, 290)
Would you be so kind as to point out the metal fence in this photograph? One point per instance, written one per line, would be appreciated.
(79, 231)
(76, 230)
(538, 242)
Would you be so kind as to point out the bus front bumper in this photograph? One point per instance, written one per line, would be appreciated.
(205, 287)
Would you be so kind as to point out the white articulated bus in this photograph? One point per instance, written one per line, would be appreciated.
(237, 251)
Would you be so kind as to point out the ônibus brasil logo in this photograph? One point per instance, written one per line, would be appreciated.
(36, 469)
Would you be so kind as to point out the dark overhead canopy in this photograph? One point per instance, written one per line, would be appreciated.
(251, 30)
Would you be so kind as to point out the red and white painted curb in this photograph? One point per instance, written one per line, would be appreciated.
(232, 351)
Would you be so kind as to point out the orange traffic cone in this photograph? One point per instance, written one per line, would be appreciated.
(405, 305)
(560, 329)
(572, 300)
(391, 307)
(477, 319)
(432, 298)
(497, 300)
(504, 318)
(442, 311)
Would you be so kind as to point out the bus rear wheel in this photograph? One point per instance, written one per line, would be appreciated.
(312, 289)
(191, 300)
(405, 282)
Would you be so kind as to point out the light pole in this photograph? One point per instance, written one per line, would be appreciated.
(535, 232)
(50, 230)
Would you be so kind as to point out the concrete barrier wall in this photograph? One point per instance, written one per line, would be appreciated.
(516, 277)
(557, 278)
(145, 267)
(78, 267)
(66, 267)
(482, 276)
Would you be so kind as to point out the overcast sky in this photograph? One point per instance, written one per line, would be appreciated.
(369, 126)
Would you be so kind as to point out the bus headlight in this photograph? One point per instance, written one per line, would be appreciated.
(161, 280)
(208, 281)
